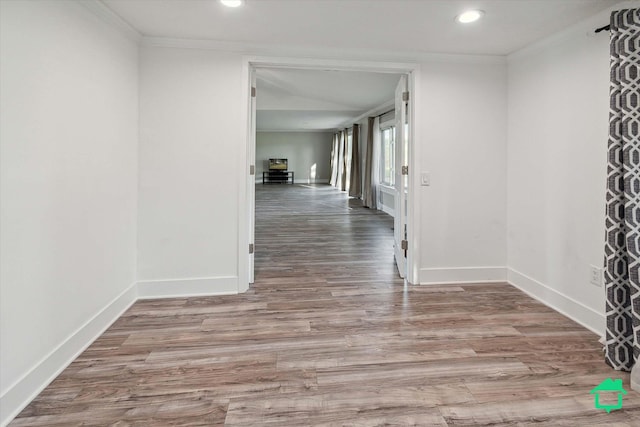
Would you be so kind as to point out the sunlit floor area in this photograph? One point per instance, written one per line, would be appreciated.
(329, 335)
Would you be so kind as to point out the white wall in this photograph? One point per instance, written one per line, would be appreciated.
(191, 104)
(301, 149)
(68, 132)
(558, 126)
(387, 199)
(462, 129)
(191, 136)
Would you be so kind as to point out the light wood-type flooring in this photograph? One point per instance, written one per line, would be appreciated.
(329, 336)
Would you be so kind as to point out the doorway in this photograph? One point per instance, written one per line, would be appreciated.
(405, 245)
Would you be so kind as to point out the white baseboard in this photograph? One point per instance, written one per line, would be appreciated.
(444, 276)
(191, 287)
(576, 311)
(20, 394)
(302, 180)
(386, 209)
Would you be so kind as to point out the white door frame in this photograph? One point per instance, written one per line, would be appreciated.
(400, 211)
(245, 212)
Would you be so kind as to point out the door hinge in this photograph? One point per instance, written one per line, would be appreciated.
(250, 248)
(405, 170)
(404, 245)
(405, 96)
(252, 169)
(253, 92)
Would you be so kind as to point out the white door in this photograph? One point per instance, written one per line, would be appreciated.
(401, 175)
(251, 193)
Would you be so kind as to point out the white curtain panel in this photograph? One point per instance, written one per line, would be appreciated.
(334, 160)
(340, 182)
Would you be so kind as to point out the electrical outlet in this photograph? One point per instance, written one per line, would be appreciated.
(595, 275)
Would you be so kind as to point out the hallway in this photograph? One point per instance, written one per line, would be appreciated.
(328, 335)
(315, 231)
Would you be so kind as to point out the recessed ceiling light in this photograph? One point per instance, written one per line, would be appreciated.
(469, 16)
(231, 3)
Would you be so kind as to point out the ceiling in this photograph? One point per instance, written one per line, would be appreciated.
(425, 26)
(325, 100)
(290, 99)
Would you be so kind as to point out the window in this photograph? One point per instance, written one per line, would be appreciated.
(388, 156)
(347, 157)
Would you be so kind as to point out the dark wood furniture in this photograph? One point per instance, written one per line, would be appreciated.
(277, 177)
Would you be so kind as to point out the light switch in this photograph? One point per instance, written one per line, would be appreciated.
(425, 178)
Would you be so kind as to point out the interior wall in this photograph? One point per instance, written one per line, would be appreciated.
(303, 150)
(557, 153)
(462, 129)
(68, 157)
(68, 160)
(192, 133)
(191, 101)
(387, 200)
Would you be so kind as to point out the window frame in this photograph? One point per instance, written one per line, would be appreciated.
(387, 154)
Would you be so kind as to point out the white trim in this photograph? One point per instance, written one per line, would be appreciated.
(245, 180)
(331, 130)
(584, 28)
(412, 69)
(110, 17)
(386, 209)
(330, 54)
(387, 124)
(373, 112)
(383, 188)
(564, 304)
(414, 188)
(27, 388)
(453, 275)
(189, 287)
(302, 181)
(23, 391)
(329, 64)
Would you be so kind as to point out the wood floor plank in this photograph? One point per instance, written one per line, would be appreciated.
(329, 335)
(484, 414)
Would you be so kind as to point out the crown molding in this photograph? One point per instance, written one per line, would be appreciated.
(317, 52)
(582, 29)
(295, 130)
(102, 11)
(374, 111)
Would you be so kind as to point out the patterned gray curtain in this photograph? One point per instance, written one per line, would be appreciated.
(622, 249)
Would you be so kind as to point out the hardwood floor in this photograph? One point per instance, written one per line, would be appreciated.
(329, 335)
